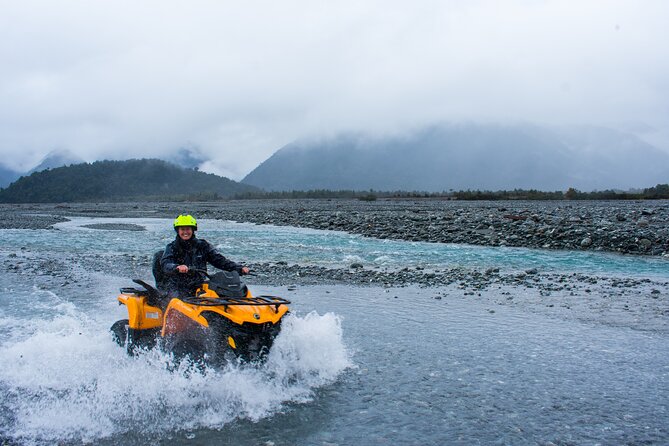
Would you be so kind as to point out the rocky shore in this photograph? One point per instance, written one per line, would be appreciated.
(630, 228)
(633, 227)
(620, 227)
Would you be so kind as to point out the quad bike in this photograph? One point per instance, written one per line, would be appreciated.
(222, 320)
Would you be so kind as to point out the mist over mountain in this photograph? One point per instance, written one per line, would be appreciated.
(468, 156)
(7, 176)
(188, 158)
(56, 158)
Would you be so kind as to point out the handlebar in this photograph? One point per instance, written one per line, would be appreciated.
(199, 271)
(207, 275)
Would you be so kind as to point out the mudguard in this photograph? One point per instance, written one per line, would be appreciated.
(141, 315)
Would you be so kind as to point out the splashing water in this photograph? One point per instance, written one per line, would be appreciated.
(67, 380)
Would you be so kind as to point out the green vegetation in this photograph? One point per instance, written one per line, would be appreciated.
(661, 191)
(516, 194)
(658, 192)
(144, 179)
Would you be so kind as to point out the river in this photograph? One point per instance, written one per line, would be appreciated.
(353, 365)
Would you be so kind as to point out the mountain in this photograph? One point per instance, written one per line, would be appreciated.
(53, 159)
(118, 180)
(7, 176)
(468, 156)
(56, 158)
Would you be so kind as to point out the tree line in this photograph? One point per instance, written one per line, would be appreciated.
(661, 191)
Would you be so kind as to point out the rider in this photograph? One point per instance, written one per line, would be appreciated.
(188, 252)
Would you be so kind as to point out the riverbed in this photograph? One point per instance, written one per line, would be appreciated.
(508, 346)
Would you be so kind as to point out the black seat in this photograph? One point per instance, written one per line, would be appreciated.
(158, 274)
(228, 284)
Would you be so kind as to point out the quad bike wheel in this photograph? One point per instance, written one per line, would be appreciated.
(119, 331)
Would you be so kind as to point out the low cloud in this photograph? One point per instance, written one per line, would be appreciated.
(237, 81)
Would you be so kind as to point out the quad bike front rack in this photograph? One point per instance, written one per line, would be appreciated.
(227, 301)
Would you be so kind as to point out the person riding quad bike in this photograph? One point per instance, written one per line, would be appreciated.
(186, 254)
(208, 318)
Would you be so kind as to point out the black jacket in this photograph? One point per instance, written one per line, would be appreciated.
(194, 253)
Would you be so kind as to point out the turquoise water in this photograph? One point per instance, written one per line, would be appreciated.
(261, 243)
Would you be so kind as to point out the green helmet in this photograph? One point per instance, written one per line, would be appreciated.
(185, 220)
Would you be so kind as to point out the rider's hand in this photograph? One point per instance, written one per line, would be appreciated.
(245, 270)
(182, 269)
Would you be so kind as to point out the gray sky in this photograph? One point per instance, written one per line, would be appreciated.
(238, 80)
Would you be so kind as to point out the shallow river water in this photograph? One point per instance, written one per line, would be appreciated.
(353, 365)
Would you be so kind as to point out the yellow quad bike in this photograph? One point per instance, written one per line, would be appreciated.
(221, 321)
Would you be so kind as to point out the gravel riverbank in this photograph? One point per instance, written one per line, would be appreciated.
(634, 227)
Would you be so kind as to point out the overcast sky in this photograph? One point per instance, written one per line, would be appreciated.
(238, 80)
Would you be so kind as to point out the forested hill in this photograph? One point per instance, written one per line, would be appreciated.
(118, 180)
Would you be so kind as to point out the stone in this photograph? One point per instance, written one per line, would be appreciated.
(586, 242)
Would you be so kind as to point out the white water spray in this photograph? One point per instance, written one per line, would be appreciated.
(69, 381)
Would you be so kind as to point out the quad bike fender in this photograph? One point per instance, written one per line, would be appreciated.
(180, 316)
(141, 316)
(260, 314)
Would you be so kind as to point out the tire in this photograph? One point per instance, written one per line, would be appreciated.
(189, 350)
(119, 331)
(251, 347)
